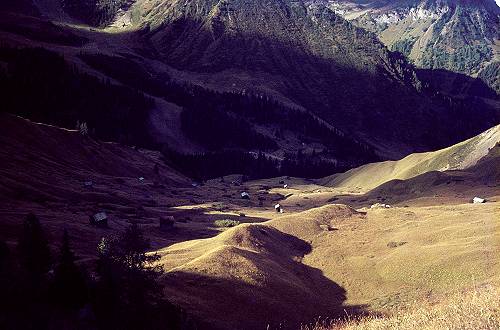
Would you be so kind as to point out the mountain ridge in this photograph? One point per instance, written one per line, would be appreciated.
(307, 55)
(461, 156)
(461, 36)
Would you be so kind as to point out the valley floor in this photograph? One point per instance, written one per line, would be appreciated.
(328, 254)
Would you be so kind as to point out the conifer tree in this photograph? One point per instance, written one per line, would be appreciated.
(34, 251)
(31, 288)
(128, 291)
(69, 289)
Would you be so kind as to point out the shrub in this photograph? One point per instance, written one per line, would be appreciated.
(395, 244)
(226, 223)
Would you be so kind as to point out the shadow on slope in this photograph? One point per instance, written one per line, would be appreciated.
(456, 84)
(337, 81)
(250, 277)
(461, 156)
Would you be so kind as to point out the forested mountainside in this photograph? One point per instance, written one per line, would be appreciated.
(283, 77)
(457, 35)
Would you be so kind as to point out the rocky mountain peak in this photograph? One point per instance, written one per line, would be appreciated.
(456, 35)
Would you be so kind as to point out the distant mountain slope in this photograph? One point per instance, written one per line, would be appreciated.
(311, 56)
(457, 35)
(266, 70)
(461, 156)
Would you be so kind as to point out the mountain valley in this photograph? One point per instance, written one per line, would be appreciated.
(249, 164)
(460, 36)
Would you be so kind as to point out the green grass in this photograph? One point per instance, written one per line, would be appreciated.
(226, 223)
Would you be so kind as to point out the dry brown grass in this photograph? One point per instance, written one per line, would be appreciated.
(478, 309)
(315, 259)
(457, 157)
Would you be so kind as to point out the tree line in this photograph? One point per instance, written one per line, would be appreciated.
(219, 120)
(42, 290)
(38, 84)
(254, 165)
(41, 86)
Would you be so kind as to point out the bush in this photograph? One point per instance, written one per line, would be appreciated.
(226, 223)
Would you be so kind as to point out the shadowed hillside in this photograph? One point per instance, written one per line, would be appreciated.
(456, 35)
(308, 58)
(458, 157)
(177, 158)
(319, 61)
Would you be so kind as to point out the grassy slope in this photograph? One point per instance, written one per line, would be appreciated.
(445, 248)
(459, 156)
(251, 265)
(383, 258)
(314, 259)
(475, 309)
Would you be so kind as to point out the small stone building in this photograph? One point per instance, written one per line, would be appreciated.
(99, 219)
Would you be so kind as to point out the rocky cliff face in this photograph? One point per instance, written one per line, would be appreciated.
(307, 53)
(461, 36)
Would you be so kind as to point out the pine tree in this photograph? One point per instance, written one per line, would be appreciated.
(128, 293)
(132, 248)
(34, 251)
(31, 287)
(69, 289)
